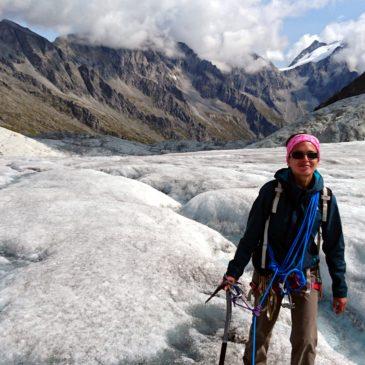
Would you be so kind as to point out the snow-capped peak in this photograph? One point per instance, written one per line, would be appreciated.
(316, 55)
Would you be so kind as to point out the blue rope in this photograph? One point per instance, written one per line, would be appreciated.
(254, 318)
(290, 264)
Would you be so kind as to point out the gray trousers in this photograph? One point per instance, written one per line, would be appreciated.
(303, 335)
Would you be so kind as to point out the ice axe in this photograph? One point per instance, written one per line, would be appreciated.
(226, 327)
(228, 319)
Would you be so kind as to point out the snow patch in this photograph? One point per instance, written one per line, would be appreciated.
(317, 55)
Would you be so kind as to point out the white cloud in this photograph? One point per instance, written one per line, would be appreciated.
(274, 55)
(223, 31)
(353, 34)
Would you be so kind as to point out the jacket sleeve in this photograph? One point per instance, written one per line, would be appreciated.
(253, 234)
(334, 249)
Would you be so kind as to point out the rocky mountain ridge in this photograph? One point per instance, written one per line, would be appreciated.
(342, 121)
(356, 87)
(68, 86)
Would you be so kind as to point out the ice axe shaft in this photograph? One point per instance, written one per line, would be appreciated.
(226, 328)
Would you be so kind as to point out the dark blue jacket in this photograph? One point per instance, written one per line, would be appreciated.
(283, 228)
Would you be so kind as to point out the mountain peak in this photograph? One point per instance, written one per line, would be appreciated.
(72, 38)
(314, 45)
(6, 23)
(316, 52)
(15, 27)
(183, 47)
(9, 22)
(12, 33)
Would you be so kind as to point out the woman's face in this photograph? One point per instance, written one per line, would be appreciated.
(303, 167)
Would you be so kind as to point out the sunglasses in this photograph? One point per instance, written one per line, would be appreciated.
(299, 155)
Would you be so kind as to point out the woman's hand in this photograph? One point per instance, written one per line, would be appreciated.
(228, 280)
(339, 305)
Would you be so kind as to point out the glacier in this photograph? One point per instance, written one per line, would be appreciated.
(109, 259)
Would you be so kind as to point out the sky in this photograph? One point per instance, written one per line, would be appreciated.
(314, 21)
(224, 32)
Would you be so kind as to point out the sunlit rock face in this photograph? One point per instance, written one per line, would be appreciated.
(109, 259)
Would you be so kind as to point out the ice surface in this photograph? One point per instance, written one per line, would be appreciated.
(105, 275)
(15, 144)
(225, 210)
(103, 259)
(97, 145)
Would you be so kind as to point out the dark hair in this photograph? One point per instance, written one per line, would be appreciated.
(292, 136)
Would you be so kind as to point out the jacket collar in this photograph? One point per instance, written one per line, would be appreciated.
(286, 178)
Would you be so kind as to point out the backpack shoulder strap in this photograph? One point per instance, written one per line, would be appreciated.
(274, 207)
(325, 197)
(275, 202)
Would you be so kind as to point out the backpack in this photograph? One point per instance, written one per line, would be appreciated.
(325, 198)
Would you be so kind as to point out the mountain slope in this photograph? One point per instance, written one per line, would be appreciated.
(317, 74)
(356, 87)
(71, 87)
(342, 121)
(133, 94)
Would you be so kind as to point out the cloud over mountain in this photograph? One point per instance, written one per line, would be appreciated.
(225, 32)
(352, 33)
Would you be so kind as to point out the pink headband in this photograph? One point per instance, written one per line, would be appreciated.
(299, 138)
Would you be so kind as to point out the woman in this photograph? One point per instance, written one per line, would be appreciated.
(300, 182)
